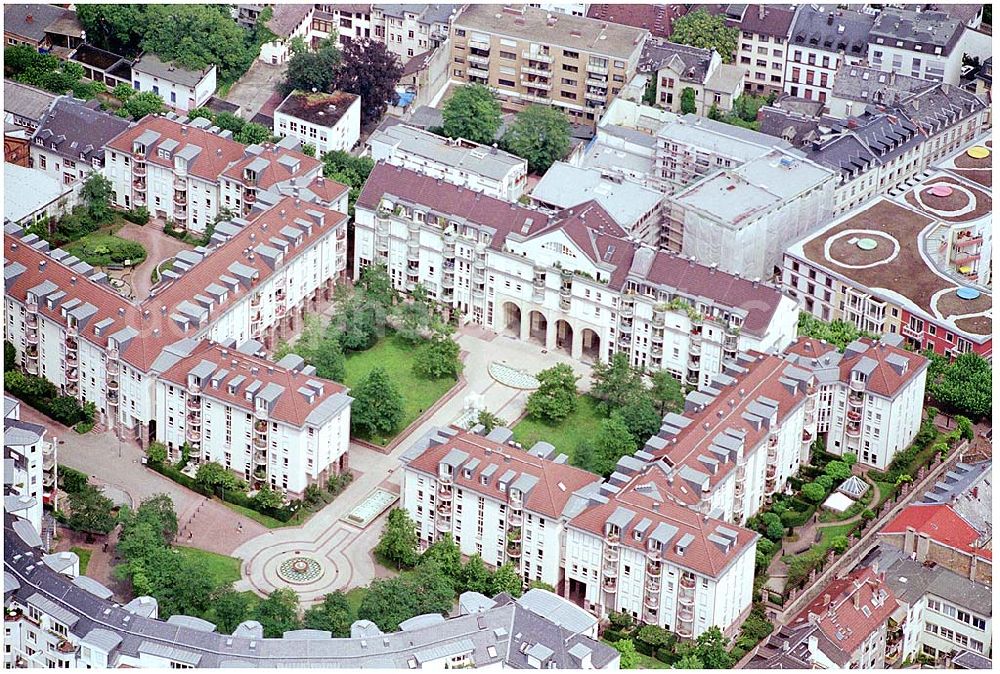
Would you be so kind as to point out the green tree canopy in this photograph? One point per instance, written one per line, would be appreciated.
(399, 542)
(555, 398)
(140, 104)
(96, 196)
(629, 656)
(472, 113)
(389, 602)
(838, 470)
(476, 576)
(332, 615)
(91, 511)
(446, 554)
(507, 579)
(711, 649)
(814, 492)
(965, 385)
(539, 134)
(278, 613)
(9, 356)
(689, 102)
(378, 406)
(215, 477)
(667, 392)
(438, 359)
(615, 383)
(640, 417)
(613, 441)
(312, 71)
(230, 608)
(268, 499)
(708, 31)
(253, 134)
(836, 333)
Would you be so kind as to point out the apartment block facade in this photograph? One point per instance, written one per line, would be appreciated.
(250, 289)
(30, 472)
(530, 56)
(570, 281)
(763, 44)
(603, 549)
(823, 40)
(184, 172)
(920, 44)
(328, 122)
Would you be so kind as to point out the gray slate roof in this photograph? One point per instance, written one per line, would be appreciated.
(25, 101)
(828, 28)
(78, 130)
(151, 64)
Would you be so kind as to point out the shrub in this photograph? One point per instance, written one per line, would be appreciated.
(139, 216)
(43, 396)
(620, 621)
(71, 480)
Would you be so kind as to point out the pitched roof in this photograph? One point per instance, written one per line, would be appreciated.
(772, 20)
(657, 19)
(151, 64)
(889, 368)
(942, 524)
(31, 21)
(554, 482)
(832, 29)
(26, 101)
(78, 130)
(848, 611)
(285, 18)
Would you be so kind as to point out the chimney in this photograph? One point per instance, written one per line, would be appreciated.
(184, 129)
(857, 600)
(760, 12)
(826, 599)
(30, 18)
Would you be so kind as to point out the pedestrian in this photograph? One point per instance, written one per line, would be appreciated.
(190, 535)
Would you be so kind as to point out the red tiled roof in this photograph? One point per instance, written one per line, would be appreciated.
(657, 19)
(942, 524)
(556, 481)
(275, 172)
(702, 555)
(884, 380)
(291, 406)
(840, 611)
(807, 347)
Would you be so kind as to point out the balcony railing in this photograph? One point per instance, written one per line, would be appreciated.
(513, 550)
(610, 585)
(653, 570)
(541, 58)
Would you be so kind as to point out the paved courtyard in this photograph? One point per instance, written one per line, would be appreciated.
(159, 247)
(257, 85)
(342, 549)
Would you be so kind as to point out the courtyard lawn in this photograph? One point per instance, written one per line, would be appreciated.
(582, 425)
(101, 249)
(396, 356)
(223, 569)
(84, 555)
(645, 661)
(800, 564)
(260, 518)
(886, 490)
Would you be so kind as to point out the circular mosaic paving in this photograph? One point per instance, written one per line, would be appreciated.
(300, 570)
(867, 244)
(967, 293)
(513, 377)
(940, 191)
(978, 152)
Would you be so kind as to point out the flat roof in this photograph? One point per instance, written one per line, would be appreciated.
(473, 157)
(565, 186)
(320, 109)
(27, 190)
(902, 276)
(563, 30)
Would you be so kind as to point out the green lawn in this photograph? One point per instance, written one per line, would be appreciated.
(396, 356)
(99, 248)
(567, 436)
(84, 555)
(645, 661)
(223, 569)
(260, 518)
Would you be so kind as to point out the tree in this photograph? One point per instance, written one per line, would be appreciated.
(312, 71)
(640, 417)
(378, 406)
(309, 149)
(267, 499)
(825, 481)
(612, 442)
(773, 528)
(541, 585)
(438, 359)
(507, 579)
(91, 511)
(708, 31)
(555, 397)
(472, 113)
(417, 317)
(689, 104)
(764, 553)
(349, 170)
(655, 637)
(96, 196)
(813, 492)
(839, 544)
(253, 134)
(629, 656)
(398, 543)
(615, 383)
(540, 134)
(140, 104)
(333, 615)
(376, 285)
(389, 602)
(838, 470)
(711, 649)
(476, 577)
(215, 478)
(192, 114)
(371, 71)
(966, 385)
(157, 511)
(9, 356)
(667, 392)
(156, 453)
(689, 661)
(448, 557)
(278, 613)
(231, 608)
(965, 428)
(837, 333)
(849, 458)
(489, 421)
(329, 359)
(118, 28)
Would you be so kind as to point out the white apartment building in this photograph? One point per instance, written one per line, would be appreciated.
(927, 44)
(941, 613)
(870, 397)
(742, 218)
(625, 144)
(328, 122)
(250, 289)
(571, 281)
(479, 168)
(604, 550)
(349, 22)
(57, 619)
(180, 88)
(408, 30)
(287, 22)
(29, 460)
(185, 173)
(824, 38)
(68, 143)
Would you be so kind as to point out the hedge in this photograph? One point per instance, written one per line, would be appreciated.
(44, 397)
(139, 216)
(613, 635)
(71, 480)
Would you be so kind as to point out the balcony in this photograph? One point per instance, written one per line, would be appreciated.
(514, 519)
(692, 379)
(854, 415)
(72, 374)
(112, 384)
(857, 386)
(481, 45)
(594, 82)
(652, 601)
(479, 60)
(443, 524)
(653, 569)
(853, 430)
(685, 614)
(611, 554)
(139, 186)
(650, 616)
(260, 457)
(596, 96)
(771, 471)
(193, 435)
(536, 84)
(539, 57)
(444, 509)
(250, 196)
(610, 585)
(514, 535)
(540, 72)
(652, 585)
(180, 199)
(193, 403)
(478, 72)
(139, 168)
(806, 436)
(912, 332)
(687, 583)
(625, 326)
(597, 70)
(260, 474)
(968, 241)
(180, 212)
(514, 550)
(32, 336)
(967, 258)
